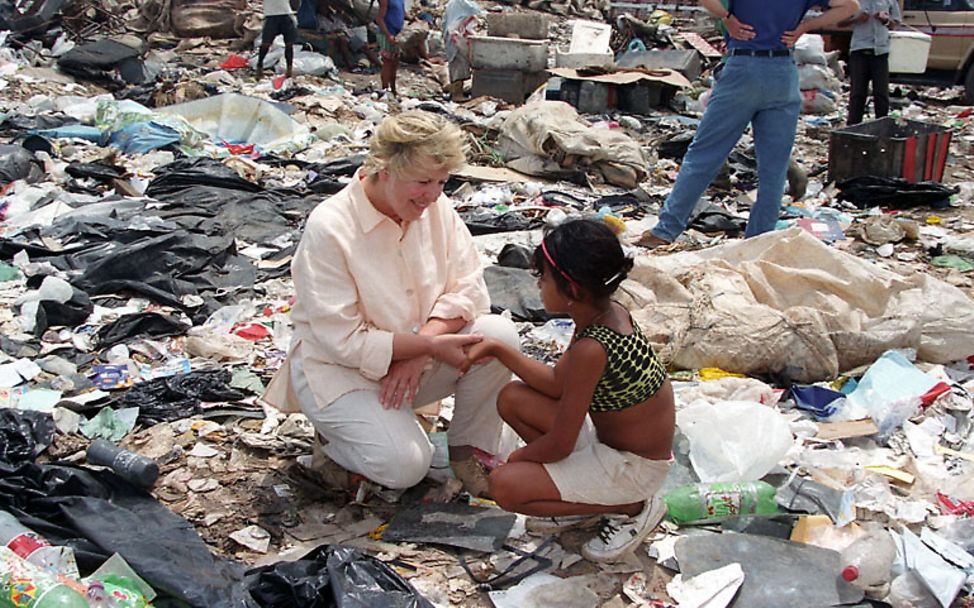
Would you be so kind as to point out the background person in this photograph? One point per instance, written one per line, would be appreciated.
(869, 56)
(389, 290)
(758, 86)
(390, 19)
(279, 19)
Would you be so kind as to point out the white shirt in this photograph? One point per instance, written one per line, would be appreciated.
(359, 277)
(277, 7)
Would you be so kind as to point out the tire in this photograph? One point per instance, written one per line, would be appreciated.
(969, 86)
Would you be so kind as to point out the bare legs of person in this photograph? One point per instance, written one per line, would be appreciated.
(526, 487)
(262, 53)
(390, 64)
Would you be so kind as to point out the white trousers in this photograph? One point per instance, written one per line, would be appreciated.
(388, 446)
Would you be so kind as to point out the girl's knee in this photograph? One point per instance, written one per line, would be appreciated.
(502, 490)
(508, 401)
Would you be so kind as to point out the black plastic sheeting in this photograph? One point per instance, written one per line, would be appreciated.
(183, 244)
(24, 435)
(176, 397)
(97, 514)
(333, 577)
(893, 192)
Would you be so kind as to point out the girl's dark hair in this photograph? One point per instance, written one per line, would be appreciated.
(589, 252)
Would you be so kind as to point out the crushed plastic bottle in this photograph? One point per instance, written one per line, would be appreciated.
(866, 563)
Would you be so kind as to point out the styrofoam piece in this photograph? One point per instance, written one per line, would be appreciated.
(590, 37)
(495, 53)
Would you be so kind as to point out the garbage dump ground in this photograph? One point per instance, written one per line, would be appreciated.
(153, 193)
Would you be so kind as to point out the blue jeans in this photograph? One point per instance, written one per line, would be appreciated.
(762, 92)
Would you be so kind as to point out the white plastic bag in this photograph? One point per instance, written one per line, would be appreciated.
(810, 48)
(734, 440)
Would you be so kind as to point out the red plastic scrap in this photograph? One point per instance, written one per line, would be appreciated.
(941, 388)
(252, 331)
(238, 149)
(954, 506)
(234, 62)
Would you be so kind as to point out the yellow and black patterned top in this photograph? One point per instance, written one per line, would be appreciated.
(632, 374)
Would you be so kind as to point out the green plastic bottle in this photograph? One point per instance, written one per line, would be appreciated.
(703, 502)
(24, 585)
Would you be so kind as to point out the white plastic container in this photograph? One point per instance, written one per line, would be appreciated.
(908, 52)
(590, 37)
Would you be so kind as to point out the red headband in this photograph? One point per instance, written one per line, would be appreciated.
(551, 260)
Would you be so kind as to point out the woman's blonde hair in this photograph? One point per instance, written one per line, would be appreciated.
(410, 138)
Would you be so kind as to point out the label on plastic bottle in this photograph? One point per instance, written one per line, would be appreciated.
(26, 543)
(725, 503)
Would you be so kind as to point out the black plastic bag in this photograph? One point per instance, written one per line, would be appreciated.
(68, 314)
(186, 172)
(489, 222)
(893, 192)
(327, 577)
(16, 162)
(176, 397)
(516, 290)
(516, 256)
(94, 60)
(139, 324)
(97, 170)
(24, 434)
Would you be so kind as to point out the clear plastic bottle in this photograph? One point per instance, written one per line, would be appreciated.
(866, 563)
(23, 585)
(713, 502)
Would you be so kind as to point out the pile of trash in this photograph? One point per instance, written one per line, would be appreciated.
(152, 193)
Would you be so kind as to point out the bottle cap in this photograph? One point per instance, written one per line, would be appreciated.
(850, 573)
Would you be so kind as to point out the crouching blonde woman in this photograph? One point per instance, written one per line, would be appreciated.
(389, 292)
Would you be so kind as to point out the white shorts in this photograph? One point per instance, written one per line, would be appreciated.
(596, 474)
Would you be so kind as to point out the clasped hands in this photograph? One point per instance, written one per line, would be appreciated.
(401, 382)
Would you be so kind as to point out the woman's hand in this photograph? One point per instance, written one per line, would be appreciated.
(452, 348)
(479, 353)
(401, 382)
(738, 30)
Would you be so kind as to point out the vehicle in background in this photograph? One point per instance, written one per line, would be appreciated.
(950, 23)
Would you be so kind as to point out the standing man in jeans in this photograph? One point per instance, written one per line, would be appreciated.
(869, 56)
(758, 86)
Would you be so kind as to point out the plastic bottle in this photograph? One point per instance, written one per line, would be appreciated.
(132, 467)
(866, 563)
(23, 585)
(98, 597)
(711, 502)
(34, 548)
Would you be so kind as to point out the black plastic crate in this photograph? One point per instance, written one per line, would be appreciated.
(916, 151)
